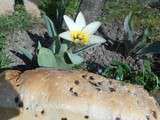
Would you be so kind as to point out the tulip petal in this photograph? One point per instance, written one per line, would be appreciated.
(92, 28)
(66, 35)
(70, 23)
(80, 20)
(72, 26)
(96, 40)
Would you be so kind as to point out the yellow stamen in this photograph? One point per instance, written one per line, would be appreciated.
(80, 37)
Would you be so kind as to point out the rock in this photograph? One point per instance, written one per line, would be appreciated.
(92, 9)
(100, 55)
(6, 7)
(47, 94)
(32, 8)
(21, 39)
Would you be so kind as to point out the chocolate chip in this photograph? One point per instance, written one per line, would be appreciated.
(147, 117)
(16, 99)
(94, 84)
(154, 114)
(42, 112)
(84, 76)
(86, 117)
(112, 89)
(98, 89)
(99, 83)
(17, 85)
(118, 118)
(63, 118)
(75, 93)
(77, 82)
(20, 104)
(91, 77)
(71, 89)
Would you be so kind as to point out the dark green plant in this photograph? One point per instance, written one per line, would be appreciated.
(62, 54)
(4, 60)
(130, 46)
(19, 20)
(147, 78)
(2, 40)
(73, 7)
(55, 10)
(117, 70)
(135, 46)
(124, 72)
(58, 55)
(146, 13)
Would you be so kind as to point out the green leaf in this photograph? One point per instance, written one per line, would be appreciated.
(63, 48)
(151, 48)
(147, 66)
(75, 59)
(119, 73)
(56, 45)
(39, 45)
(126, 68)
(46, 58)
(61, 64)
(128, 27)
(27, 53)
(50, 26)
(84, 48)
(141, 42)
(147, 33)
(108, 72)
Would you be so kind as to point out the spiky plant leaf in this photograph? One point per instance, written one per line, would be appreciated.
(128, 27)
(61, 63)
(84, 48)
(141, 42)
(119, 73)
(151, 48)
(56, 45)
(75, 59)
(27, 53)
(39, 45)
(63, 48)
(50, 26)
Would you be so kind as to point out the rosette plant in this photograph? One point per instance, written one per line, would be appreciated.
(61, 54)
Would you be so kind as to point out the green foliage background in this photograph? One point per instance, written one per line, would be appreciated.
(145, 16)
(20, 20)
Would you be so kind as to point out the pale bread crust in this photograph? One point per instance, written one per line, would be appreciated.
(79, 95)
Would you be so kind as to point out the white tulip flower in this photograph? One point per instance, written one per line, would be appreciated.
(79, 32)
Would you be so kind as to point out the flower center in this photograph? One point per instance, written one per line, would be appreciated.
(80, 37)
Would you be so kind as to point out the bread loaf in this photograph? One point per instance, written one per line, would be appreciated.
(47, 94)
